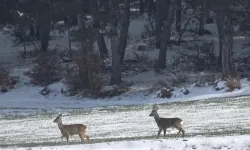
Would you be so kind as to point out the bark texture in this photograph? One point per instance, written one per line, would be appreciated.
(116, 57)
(225, 31)
(166, 35)
(124, 30)
(162, 7)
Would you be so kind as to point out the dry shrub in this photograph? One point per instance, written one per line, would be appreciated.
(141, 57)
(233, 81)
(165, 93)
(84, 74)
(6, 81)
(47, 69)
(143, 61)
(166, 90)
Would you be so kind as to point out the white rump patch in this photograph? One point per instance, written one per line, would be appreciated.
(181, 122)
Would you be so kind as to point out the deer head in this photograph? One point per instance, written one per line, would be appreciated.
(154, 111)
(58, 119)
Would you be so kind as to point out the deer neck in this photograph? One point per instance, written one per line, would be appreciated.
(60, 125)
(157, 117)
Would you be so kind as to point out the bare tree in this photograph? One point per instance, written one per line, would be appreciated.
(225, 31)
(162, 7)
(45, 25)
(97, 25)
(124, 29)
(166, 35)
(118, 43)
(69, 35)
(201, 20)
(178, 16)
(224, 15)
(116, 57)
(142, 7)
(37, 25)
(150, 6)
(220, 36)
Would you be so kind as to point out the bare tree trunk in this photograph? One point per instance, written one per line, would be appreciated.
(162, 7)
(69, 39)
(201, 21)
(31, 30)
(158, 24)
(178, 16)
(45, 30)
(248, 6)
(150, 6)
(142, 8)
(150, 19)
(219, 30)
(83, 30)
(116, 58)
(102, 45)
(43, 22)
(81, 22)
(124, 30)
(24, 42)
(225, 30)
(37, 26)
(184, 29)
(100, 38)
(116, 54)
(2, 12)
(96, 14)
(166, 35)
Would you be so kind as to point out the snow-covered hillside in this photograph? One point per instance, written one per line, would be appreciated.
(28, 96)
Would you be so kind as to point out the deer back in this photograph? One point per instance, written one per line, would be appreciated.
(73, 129)
(169, 122)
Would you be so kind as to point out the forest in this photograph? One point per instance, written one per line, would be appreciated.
(124, 74)
(98, 39)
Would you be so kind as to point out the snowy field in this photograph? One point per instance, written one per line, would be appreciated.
(202, 119)
(200, 143)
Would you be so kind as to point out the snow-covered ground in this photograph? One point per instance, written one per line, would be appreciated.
(213, 117)
(199, 143)
(28, 96)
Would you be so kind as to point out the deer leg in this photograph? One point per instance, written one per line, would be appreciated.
(183, 133)
(67, 137)
(62, 139)
(180, 130)
(82, 138)
(164, 130)
(87, 137)
(159, 132)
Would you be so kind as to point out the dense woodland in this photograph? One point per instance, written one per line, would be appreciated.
(92, 21)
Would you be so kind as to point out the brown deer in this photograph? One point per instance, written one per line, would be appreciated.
(72, 129)
(164, 123)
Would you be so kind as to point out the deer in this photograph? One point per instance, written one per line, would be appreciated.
(71, 129)
(164, 123)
